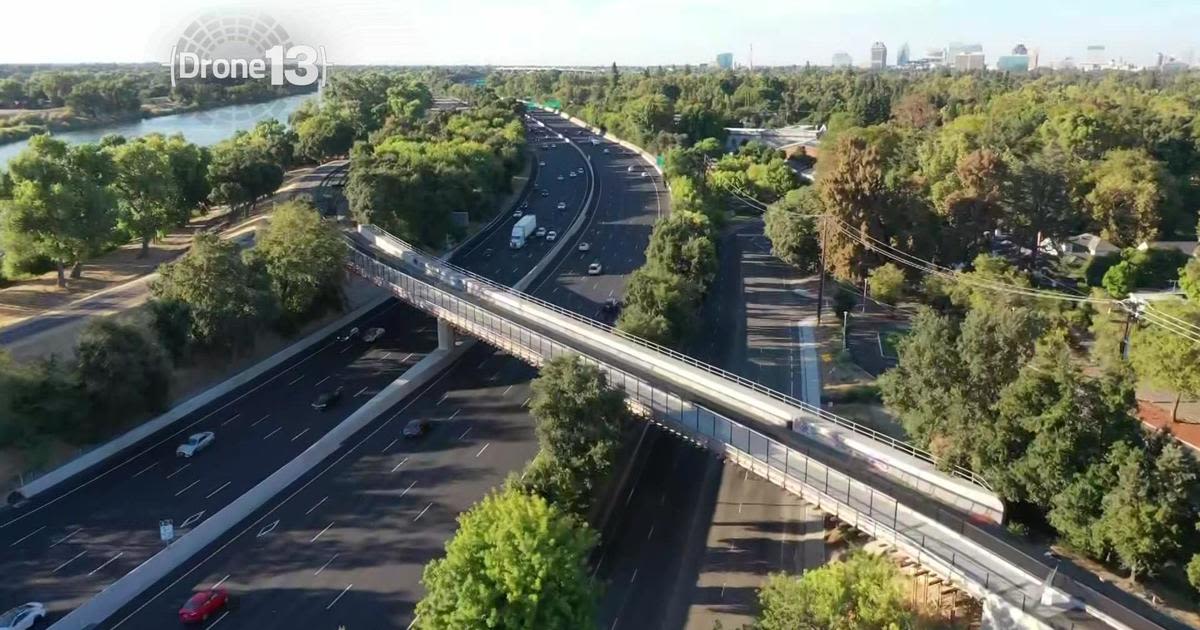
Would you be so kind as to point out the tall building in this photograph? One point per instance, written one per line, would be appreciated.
(842, 60)
(902, 56)
(966, 62)
(958, 48)
(725, 61)
(1096, 57)
(1018, 61)
(878, 56)
(1020, 49)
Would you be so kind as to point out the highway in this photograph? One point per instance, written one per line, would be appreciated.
(352, 537)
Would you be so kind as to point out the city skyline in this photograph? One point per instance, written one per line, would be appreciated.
(467, 32)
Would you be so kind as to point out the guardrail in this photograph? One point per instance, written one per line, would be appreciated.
(882, 438)
(941, 548)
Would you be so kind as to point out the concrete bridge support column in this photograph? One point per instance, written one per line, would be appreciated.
(446, 335)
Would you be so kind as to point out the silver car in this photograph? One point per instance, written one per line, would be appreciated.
(372, 334)
(194, 444)
(23, 617)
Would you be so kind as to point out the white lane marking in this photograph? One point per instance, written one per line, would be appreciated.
(360, 392)
(318, 504)
(322, 380)
(298, 435)
(222, 581)
(106, 563)
(343, 350)
(26, 537)
(231, 419)
(296, 380)
(526, 403)
(210, 494)
(410, 487)
(178, 470)
(277, 429)
(418, 517)
(413, 622)
(506, 390)
(335, 599)
(65, 538)
(390, 445)
(255, 423)
(77, 556)
(455, 414)
(634, 577)
(650, 533)
(483, 449)
(464, 433)
(400, 464)
(189, 487)
(314, 538)
(385, 356)
(326, 565)
(442, 399)
(191, 520)
(223, 615)
(267, 529)
(139, 473)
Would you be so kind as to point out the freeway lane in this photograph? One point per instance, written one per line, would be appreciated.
(63, 546)
(347, 546)
(380, 528)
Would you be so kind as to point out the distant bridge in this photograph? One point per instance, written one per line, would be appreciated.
(787, 139)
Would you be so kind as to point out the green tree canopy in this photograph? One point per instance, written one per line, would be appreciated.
(791, 226)
(863, 591)
(304, 257)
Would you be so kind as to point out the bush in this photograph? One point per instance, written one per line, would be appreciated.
(843, 300)
(1193, 572)
(886, 282)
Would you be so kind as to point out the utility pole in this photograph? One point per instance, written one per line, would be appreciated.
(821, 274)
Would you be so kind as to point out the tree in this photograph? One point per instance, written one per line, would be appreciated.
(171, 321)
(148, 197)
(517, 563)
(1120, 279)
(189, 164)
(1130, 195)
(864, 591)
(660, 307)
(791, 226)
(61, 206)
(1189, 279)
(578, 418)
(886, 282)
(1164, 358)
(303, 257)
(242, 171)
(121, 370)
(681, 244)
(226, 300)
(1193, 572)
(324, 135)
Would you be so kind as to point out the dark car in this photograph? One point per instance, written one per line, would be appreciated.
(202, 605)
(611, 306)
(545, 193)
(348, 335)
(487, 253)
(326, 400)
(416, 428)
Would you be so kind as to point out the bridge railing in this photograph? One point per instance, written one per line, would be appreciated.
(430, 266)
(938, 543)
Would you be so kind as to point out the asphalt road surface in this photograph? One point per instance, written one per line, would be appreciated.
(352, 538)
(65, 545)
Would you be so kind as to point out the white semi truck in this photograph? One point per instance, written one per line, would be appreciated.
(522, 231)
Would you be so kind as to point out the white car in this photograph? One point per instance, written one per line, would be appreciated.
(595, 269)
(584, 247)
(518, 214)
(23, 617)
(629, 169)
(572, 173)
(562, 205)
(645, 174)
(551, 236)
(541, 163)
(606, 150)
(372, 334)
(540, 232)
(560, 177)
(196, 443)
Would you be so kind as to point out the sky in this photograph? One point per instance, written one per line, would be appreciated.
(599, 32)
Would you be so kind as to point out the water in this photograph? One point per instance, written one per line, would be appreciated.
(204, 128)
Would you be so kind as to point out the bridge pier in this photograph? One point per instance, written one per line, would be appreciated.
(446, 335)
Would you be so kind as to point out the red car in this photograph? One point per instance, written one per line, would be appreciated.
(202, 605)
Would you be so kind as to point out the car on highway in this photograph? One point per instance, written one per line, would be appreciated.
(540, 232)
(553, 146)
(560, 178)
(195, 443)
(327, 399)
(348, 335)
(416, 428)
(629, 169)
(645, 174)
(595, 269)
(487, 253)
(585, 247)
(551, 236)
(23, 617)
(200, 606)
(611, 306)
(572, 173)
(606, 150)
(373, 334)
(562, 205)
(541, 162)
(545, 193)
(524, 205)
(518, 213)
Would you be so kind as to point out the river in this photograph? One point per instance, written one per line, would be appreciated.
(204, 128)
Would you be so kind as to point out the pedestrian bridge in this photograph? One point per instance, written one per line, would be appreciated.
(888, 489)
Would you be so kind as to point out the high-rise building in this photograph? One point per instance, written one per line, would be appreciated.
(966, 62)
(902, 56)
(1096, 57)
(842, 60)
(958, 48)
(878, 56)
(1018, 61)
(1020, 49)
(725, 61)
